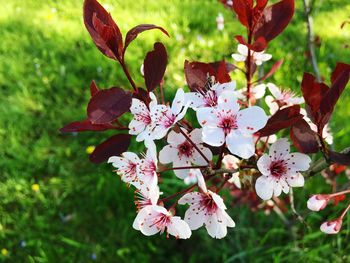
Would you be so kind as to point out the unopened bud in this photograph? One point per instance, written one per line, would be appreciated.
(317, 202)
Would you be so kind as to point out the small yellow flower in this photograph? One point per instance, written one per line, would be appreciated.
(90, 149)
(35, 187)
(4, 252)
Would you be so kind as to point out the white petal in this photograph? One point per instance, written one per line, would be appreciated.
(251, 119)
(197, 157)
(196, 136)
(138, 106)
(264, 187)
(280, 149)
(179, 228)
(194, 99)
(263, 164)
(296, 180)
(272, 104)
(167, 154)
(190, 198)
(178, 101)
(242, 49)
(277, 189)
(228, 101)
(331, 227)
(239, 57)
(213, 136)
(201, 182)
(259, 91)
(195, 217)
(241, 145)
(275, 91)
(220, 88)
(175, 138)
(218, 200)
(216, 227)
(144, 221)
(299, 161)
(205, 115)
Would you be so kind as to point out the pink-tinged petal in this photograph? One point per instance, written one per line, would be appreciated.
(272, 104)
(198, 159)
(264, 57)
(285, 186)
(299, 161)
(295, 100)
(296, 180)
(131, 157)
(331, 227)
(175, 138)
(280, 149)
(242, 49)
(196, 136)
(201, 182)
(218, 200)
(317, 202)
(184, 162)
(181, 114)
(178, 101)
(228, 101)
(195, 217)
(216, 226)
(274, 90)
(213, 136)
(229, 220)
(263, 164)
(144, 221)
(137, 106)
(136, 127)
(168, 154)
(220, 88)
(153, 98)
(182, 174)
(277, 188)
(159, 132)
(240, 145)
(179, 228)
(194, 99)
(264, 187)
(205, 116)
(190, 198)
(230, 162)
(251, 119)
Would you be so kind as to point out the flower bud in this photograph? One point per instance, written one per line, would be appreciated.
(331, 227)
(317, 202)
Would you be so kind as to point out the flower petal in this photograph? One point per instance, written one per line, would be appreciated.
(299, 161)
(213, 136)
(280, 149)
(241, 145)
(264, 187)
(251, 119)
(179, 228)
(167, 154)
(228, 101)
(296, 180)
(175, 138)
(263, 164)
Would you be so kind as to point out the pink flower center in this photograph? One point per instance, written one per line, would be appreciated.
(208, 204)
(185, 149)
(167, 119)
(278, 168)
(210, 99)
(161, 221)
(228, 123)
(144, 117)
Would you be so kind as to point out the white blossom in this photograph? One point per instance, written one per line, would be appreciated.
(331, 227)
(317, 202)
(280, 170)
(257, 57)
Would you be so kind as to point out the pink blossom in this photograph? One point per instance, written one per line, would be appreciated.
(258, 57)
(317, 202)
(226, 123)
(126, 166)
(280, 170)
(331, 227)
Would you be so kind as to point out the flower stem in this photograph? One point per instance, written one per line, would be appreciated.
(127, 74)
(344, 212)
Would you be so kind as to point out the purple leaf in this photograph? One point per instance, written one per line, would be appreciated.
(86, 125)
(303, 138)
(107, 105)
(155, 65)
(113, 146)
(93, 88)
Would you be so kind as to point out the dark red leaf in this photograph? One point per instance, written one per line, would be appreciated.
(274, 68)
(339, 158)
(340, 78)
(282, 119)
(303, 138)
(274, 20)
(103, 30)
(197, 73)
(142, 95)
(86, 125)
(244, 11)
(259, 45)
(133, 33)
(155, 65)
(93, 88)
(107, 105)
(113, 146)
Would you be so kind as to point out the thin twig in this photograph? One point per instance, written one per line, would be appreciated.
(298, 216)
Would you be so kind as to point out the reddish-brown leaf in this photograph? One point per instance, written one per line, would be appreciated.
(339, 158)
(103, 30)
(155, 65)
(274, 19)
(259, 45)
(86, 125)
(93, 88)
(303, 138)
(109, 104)
(134, 32)
(282, 119)
(244, 11)
(197, 73)
(113, 146)
(274, 68)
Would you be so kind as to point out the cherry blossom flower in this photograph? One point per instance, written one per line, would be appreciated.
(153, 219)
(317, 202)
(281, 98)
(150, 197)
(257, 57)
(207, 208)
(209, 98)
(280, 170)
(231, 162)
(126, 166)
(256, 92)
(182, 153)
(164, 117)
(331, 227)
(141, 124)
(191, 178)
(228, 124)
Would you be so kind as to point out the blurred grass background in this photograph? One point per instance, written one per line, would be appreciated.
(55, 206)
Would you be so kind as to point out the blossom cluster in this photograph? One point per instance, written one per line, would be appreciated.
(233, 140)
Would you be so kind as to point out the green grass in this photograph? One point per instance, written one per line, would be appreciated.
(47, 61)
